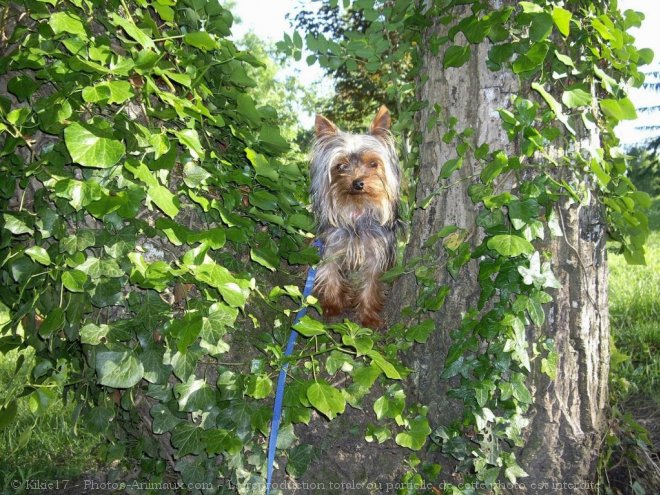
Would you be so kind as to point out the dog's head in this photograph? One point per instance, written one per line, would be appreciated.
(355, 175)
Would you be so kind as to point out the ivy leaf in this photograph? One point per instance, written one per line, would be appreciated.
(93, 334)
(421, 332)
(415, 438)
(194, 395)
(219, 440)
(326, 399)
(201, 40)
(510, 245)
(67, 22)
(92, 147)
(562, 19)
(187, 439)
(456, 56)
(16, 224)
(259, 386)
(163, 419)
(391, 404)
(22, 86)
(300, 458)
(74, 280)
(132, 30)
(108, 92)
(538, 275)
(549, 364)
(38, 254)
(387, 367)
(576, 97)
(118, 369)
(622, 109)
(190, 139)
(514, 472)
(541, 27)
(367, 375)
(309, 327)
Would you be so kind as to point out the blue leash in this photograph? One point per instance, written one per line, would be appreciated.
(281, 380)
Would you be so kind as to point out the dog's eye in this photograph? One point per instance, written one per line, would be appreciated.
(342, 167)
(373, 164)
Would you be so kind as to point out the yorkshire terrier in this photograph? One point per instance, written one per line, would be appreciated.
(355, 190)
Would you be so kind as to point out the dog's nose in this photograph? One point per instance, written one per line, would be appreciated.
(358, 184)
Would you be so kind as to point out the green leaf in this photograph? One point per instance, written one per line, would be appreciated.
(194, 395)
(549, 364)
(415, 438)
(74, 280)
(118, 369)
(164, 199)
(201, 40)
(554, 105)
(38, 254)
(133, 31)
(91, 147)
(217, 441)
(367, 375)
(261, 165)
(541, 27)
(309, 327)
(391, 404)
(510, 245)
(67, 22)
(456, 56)
(326, 399)
(55, 320)
(15, 224)
(190, 139)
(108, 92)
(622, 109)
(94, 334)
(361, 343)
(513, 472)
(22, 86)
(387, 367)
(421, 332)
(7, 414)
(163, 419)
(450, 167)
(577, 97)
(300, 457)
(187, 438)
(259, 386)
(562, 19)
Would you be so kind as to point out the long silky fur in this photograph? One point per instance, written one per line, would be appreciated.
(359, 243)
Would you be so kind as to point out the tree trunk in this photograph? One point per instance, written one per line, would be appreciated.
(567, 417)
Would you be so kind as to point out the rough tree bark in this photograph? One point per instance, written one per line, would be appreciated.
(567, 418)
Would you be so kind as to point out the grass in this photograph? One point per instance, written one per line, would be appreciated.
(629, 461)
(635, 316)
(43, 446)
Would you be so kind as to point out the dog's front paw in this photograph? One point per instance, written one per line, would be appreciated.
(331, 309)
(371, 320)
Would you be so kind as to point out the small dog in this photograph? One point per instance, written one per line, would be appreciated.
(355, 190)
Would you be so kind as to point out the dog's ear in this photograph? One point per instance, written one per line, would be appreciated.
(324, 127)
(381, 123)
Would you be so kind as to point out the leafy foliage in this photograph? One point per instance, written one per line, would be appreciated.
(573, 62)
(151, 212)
